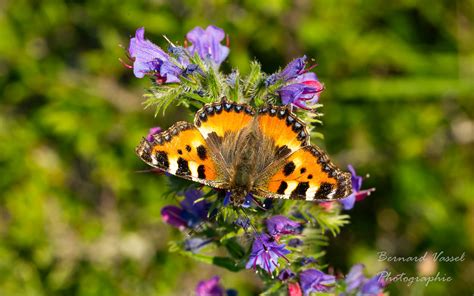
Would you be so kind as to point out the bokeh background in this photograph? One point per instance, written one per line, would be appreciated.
(76, 216)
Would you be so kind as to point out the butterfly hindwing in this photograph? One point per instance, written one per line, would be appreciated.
(182, 151)
(307, 174)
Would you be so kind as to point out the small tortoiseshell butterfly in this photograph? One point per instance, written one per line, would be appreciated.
(230, 146)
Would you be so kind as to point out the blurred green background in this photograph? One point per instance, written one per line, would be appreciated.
(76, 216)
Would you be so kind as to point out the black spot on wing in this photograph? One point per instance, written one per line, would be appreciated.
(290, 120)
(228, 106)
(183, 167)
(300, 191)
(202, 152)
(289, 168)
(282, 151)
(323, 191)
(301, 135)
(162, 159)
(282, 188)
(203, 117)
(180, 152)
(303, 170)
(201, 172)
(188, 148)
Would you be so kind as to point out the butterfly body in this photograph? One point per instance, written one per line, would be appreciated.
(230, 146)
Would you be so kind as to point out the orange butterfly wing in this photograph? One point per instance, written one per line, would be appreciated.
(221, 118)
(285, 129)
(300, 171)
(182, 151)
(308, 174)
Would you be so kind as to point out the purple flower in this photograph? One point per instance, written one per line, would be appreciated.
(153, 131)
(355, 277)
(189, 214)
(293, 69)
(303, 91)
(373, 286)
(265, 253)
(286, 274)
(303, 87)
(279, 224)
(357, 194)
(312, 280)
(207, 43)
(210, 288)
(150, 58)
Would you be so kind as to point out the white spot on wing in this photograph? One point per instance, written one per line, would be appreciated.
(311, 192)
(193, 167)
(154, 161)
(331, 195)
(173, 165)
(291, 186)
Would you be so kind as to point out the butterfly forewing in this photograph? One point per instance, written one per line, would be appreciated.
(280, 126)
(182, 151)
(218, 119)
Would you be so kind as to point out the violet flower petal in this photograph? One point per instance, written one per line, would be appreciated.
(293, 69)
(280, 224)
(207, 43)
(147, 55)
(312, 280)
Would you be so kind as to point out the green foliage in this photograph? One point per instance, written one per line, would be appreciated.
(78, 219)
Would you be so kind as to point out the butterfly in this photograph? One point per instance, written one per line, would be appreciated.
(232, 147)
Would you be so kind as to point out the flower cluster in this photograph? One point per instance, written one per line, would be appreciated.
(150, 59)
(295, 85)
(302, 88)
(265, 249)
(282, 240)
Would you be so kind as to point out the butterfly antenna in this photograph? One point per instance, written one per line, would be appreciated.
(149, 171)
(259, 204)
